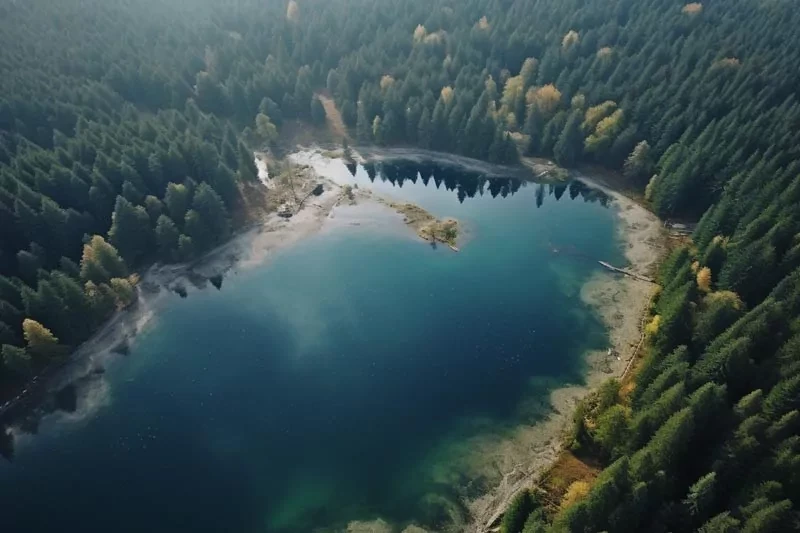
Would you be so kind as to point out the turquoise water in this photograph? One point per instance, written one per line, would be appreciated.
(327, 384)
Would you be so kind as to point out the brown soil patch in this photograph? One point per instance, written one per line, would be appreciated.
(565, 471)
(334, 117)
(254, 204)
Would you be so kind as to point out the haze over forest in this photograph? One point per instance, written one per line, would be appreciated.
(127, 132)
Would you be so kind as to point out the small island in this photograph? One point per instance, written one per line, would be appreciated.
(427, 226)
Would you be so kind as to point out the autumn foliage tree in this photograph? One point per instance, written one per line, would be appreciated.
(40, 341)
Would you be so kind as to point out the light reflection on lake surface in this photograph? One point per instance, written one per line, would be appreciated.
(329, 383)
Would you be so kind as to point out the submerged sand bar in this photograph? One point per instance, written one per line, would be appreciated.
(504, 463)
(517, 461)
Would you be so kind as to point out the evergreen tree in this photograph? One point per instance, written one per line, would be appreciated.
(177, 199)
(265, 129)
(424, 129)
(16, 359)
(248, 172)
(612, 430)
(317, 111)
(721, 523)
(639, 164)
(212, 216)
(186, 249)
(101, 261)
(568, 149)
(167, 238)
(517, 513)
(130, 231)
(363, 124)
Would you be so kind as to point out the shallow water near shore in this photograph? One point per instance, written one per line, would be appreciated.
(334, 381)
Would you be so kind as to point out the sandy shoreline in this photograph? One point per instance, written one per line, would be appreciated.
(507, 462)
(515, 459)
(620, 301)
(251, 247)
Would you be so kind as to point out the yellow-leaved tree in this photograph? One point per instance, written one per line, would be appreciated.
(597, 113)
(101, 261)
(693, 8)
(577, 491)
(570, 38)
(704, 279)
(605, 52)
(652, 328)
(447, 95)
(292, 11)
(419, 33)
(386, 82)
(123, 291)
(605, 132)
(41, 341)
(545, 99)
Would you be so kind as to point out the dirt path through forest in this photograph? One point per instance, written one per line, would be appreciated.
(335, 122)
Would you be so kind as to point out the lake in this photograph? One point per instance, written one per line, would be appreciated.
(331, 382)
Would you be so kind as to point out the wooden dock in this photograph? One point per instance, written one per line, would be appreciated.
(626, 272)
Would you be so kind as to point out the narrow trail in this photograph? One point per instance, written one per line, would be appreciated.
(334, 117)
(645, 315)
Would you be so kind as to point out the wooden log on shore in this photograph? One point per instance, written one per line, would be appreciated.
(626, 272)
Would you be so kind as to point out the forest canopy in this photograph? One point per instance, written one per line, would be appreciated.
(127, 131)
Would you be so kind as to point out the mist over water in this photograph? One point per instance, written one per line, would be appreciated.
(331, 383)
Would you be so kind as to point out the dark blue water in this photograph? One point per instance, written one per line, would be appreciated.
(322, 386)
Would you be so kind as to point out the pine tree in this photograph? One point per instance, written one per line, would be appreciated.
(514, 518)
(701, 496)
(211, 210)
(784, 397)
(721, 523)
(568, 149)
(101, 261)
(639, 165)
(167, 238)
(101, 301)
(154, 208)
(130, 231)
(612, 430)
(186, 250)
(266, 130)
(424, 130)
(248, 172)
(772, 519)
(123, 290)
(318, 115)
(16, 359)
(177, 199)
(363, 125)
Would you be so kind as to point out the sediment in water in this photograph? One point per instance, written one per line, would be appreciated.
(516, 461)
